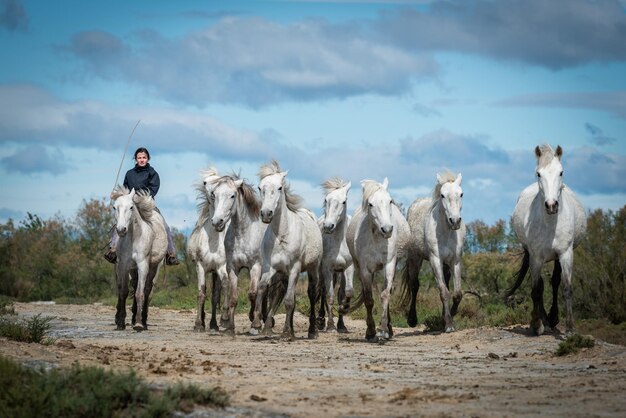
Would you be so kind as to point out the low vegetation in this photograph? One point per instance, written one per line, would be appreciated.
(93, 392)
(574, 343)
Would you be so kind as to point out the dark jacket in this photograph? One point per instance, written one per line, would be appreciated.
(146, 178)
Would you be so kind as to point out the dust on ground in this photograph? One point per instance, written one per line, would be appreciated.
(484, 372)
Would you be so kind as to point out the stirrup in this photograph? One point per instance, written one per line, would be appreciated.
(111, 256)
(171, 260)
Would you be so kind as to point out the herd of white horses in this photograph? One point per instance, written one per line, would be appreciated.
(275, 239)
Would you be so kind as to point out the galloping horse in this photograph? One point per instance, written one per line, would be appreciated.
(377, 236)
(140, 250)
(437, 235)
(292, 243)
(336, 267)
(549, 221)
(236, 203)
(205, 248)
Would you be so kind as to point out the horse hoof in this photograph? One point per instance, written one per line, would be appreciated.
(312, 335)
(383, 334)
(286, 336)
(121, 327)
(199, 328)
(229, 332)
(342, 330)
(138, 327)
(253, 331)
(450, 329)
(537, 327)
(213, 331)
(267, 331)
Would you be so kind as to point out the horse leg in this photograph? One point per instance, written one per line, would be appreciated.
(255, 277)
(444, 293)
(261, 291)
(553, 317)
(414, 265)
(216, 294)
(368, 299)
(290, 305)
(341, 298)
(446, 275)
(147, 292)
(538, 313)
(321, 296)
(349, 288)
(122, 294)
(458, 293)
(312, 292)
(327, 298)
(199, 325)
(142, 273)
(133, 283)
(385, 323)
(567, 261)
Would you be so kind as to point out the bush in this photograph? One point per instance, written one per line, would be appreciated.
(32, 331)
(574, 343)
(93, 392)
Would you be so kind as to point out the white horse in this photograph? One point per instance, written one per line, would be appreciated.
(377, 236)
(292, 243)
(236, 203)
(336, 268)
(205, 248)
(549, 221)
(140, 250)
(437, 235)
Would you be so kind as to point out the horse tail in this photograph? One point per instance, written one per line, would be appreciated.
(357, 302)
(519, 275)
(277, 290)
(405, 292)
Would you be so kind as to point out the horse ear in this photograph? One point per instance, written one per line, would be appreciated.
(537, 151)
(559, 152)
(132, 192)
(439, 179)
(458, 179)
(238, 183)
(348, 185)
(284, 173)
(385, 183)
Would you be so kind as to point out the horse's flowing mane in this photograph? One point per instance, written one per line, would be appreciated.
(334, 183)
(245, 192)
(369, 188)
(294, 202)
(446, 177)
(143, 201)
(547, 154)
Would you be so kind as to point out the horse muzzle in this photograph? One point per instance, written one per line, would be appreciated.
(455, 224)
(266, 216)
(386, 231)
(329, 228)
(122, 231)
(219, 225)
(552, 207)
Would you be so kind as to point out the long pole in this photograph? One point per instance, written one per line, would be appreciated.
(124, 155)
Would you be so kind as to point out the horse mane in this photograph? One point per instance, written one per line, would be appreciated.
(294, 202)
(334, 183)
(446, 176)
(143, 201)
(546, 154)
(369, 188)
(246, 192)
(209, 172)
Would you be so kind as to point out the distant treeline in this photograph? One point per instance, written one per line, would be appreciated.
(61, 259)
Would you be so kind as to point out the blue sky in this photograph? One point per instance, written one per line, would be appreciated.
(360, 90)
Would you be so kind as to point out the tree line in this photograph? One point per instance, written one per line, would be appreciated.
(61, 259)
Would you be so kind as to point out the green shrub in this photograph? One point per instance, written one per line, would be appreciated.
(31, 331)
(574, 343)
(93, 392)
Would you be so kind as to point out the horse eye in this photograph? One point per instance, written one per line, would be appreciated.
(538, 174)
(461, 194)
(561, 174)
(371, 205)
(442, 196)
(232, 197)
(280, 188)
(344, 202)
(204, 182)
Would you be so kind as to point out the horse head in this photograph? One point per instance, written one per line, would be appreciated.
(377, 204)
(224, 197)
(451, 198)
(271, 188)
(335, 206)
(124, 207)
(550, 176)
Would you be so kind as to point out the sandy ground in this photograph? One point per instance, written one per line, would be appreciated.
(486, 372)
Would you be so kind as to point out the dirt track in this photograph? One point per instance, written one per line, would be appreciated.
(485, 372)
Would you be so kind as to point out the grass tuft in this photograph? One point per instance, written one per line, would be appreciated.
(33, 330)
(574, 343)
